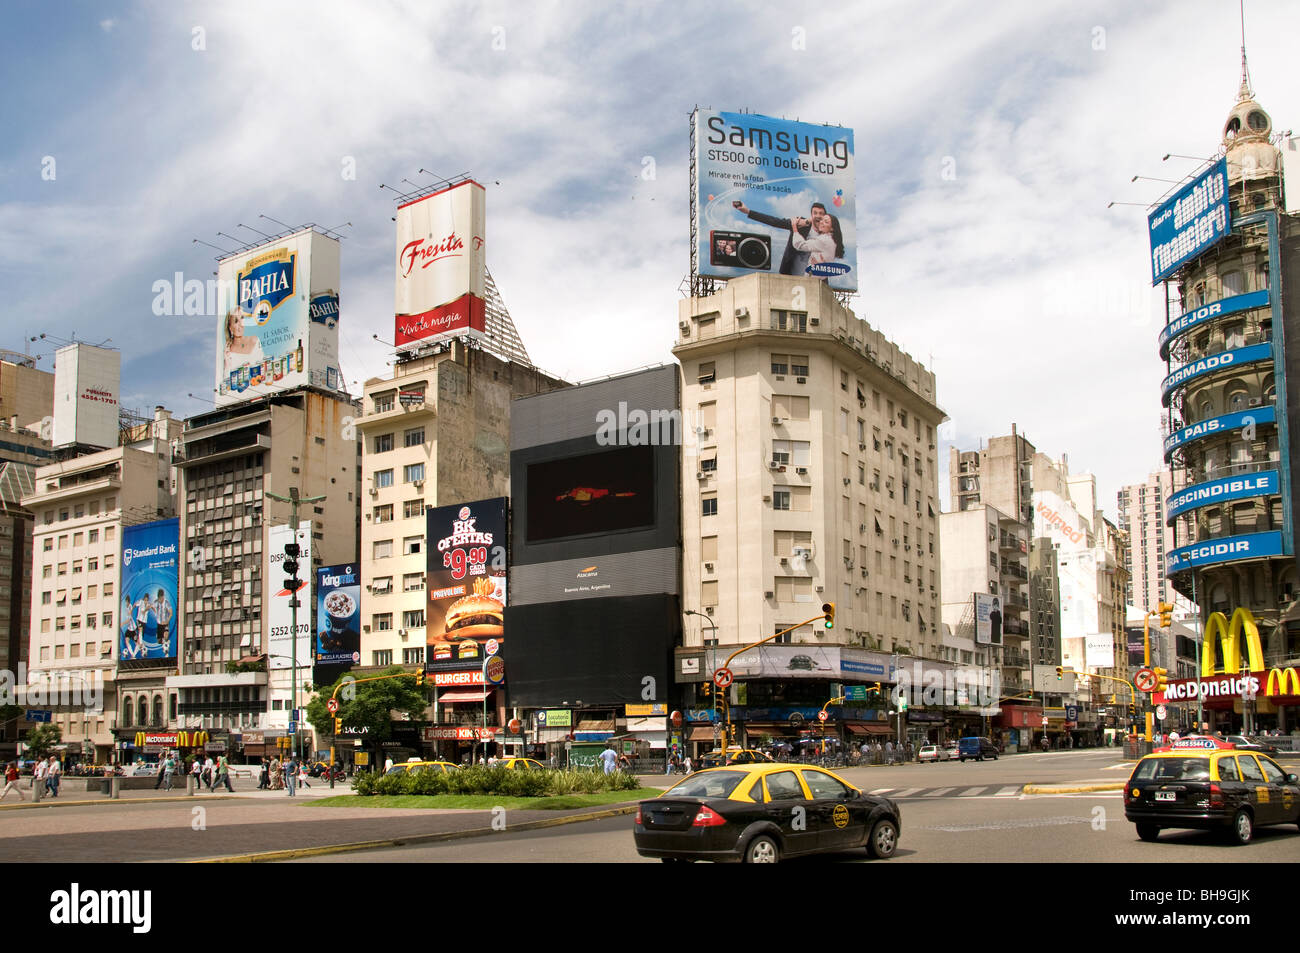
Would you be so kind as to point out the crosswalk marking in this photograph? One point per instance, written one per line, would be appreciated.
(971, 792)
(905, 792)
(881, 791)
(982, 790)
(938, 792)
(1009, 791)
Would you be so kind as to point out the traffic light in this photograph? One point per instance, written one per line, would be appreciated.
(1132, 712)
(290, 565)
(338, 726)
(1166, 614)
(419, 676)
(1060, 672)
(902, 699)
(1162, 678)
(706, 689)
(828, 611)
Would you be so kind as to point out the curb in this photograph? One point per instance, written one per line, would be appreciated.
(1075, 789)
(271, 856)
(44, 802)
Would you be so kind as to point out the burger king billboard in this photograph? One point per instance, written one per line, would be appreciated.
(467, 581)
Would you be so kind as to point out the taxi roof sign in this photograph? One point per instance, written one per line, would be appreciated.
(1200, 741)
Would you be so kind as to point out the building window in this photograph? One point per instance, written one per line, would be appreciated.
(383, 443)
(412, 472)
(709, 506)
(382, 585)
(413, 619)
(412, 545)
(45, 598)
(108, 589)
(384, 403)
(48, 545)
(412, 509)
(383, 478)
(412, 582)
(382, 657)
(789, 320)
(413, 656)
(382, 622)
(780, 363)
(780, 499)
(414, 437)
(93, 536)
(383, 548)
(92, 565)
(707, 374)
(384, 514)
(48, 571)
(708, 466)
(799, 365)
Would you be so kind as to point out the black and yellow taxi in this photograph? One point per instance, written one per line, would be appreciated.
(1204, 783)
(718, 759)
(761, 813)
(412, 766)
(520, 764)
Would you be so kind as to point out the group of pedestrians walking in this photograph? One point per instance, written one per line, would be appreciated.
(45, 776)
(873, 752)
(277, 775)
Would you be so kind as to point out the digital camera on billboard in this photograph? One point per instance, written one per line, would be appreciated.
(740, 250)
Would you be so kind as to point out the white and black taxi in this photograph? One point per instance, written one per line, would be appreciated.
(1203, 783)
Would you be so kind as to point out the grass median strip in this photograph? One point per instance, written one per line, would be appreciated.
(484, 802)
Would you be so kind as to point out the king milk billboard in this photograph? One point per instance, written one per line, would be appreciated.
(467, 580)
(278, 309)
(338, 615)
(282, 642)
(441, 266)
(150, 574)
(774, 196)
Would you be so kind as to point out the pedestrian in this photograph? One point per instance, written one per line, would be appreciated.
(608, 759)
(196, 772)
(11, 781)
(671, 765)
(277, 774)
(162, 764)
(169, 768)
(40, 771)
(55, 775)
(223, 774)
(209, 774)
(264, 782)
(388, 765)
(686, 764)
(290, 774)
(302, 774)
(889, 752)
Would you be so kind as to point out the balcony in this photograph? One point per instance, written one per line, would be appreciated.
(221, 448)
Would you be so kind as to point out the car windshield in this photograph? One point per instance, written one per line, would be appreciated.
(1173, 769)
(708, 784)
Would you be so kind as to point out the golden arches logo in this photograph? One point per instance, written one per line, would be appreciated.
(1279, 679)
(1230, 635)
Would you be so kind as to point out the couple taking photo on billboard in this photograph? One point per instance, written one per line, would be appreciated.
(814, 240)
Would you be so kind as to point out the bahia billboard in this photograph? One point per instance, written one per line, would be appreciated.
(150, 582)
(467, 581)
(338, 615)
(774, 196)
(441, 266)
(278, 307)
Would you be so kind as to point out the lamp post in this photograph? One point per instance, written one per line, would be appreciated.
(293, 499)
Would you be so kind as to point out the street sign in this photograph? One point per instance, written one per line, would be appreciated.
(855, 693)
(1145, 680)
(822, 716)
(722, 677)
(1161, 712)
(1044, 721)
(293, 727)
(513, 725)
(541, 719)
(1072, 713)
(333, 706)
(39, 714)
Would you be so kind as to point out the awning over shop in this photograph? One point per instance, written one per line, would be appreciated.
(699, 733)
(871, 729)
(464, 696)
(777, 730)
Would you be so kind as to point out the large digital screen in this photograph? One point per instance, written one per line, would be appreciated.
(150, 576)
(775, 196)
(604, 492)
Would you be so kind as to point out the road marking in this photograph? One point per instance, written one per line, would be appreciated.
(1009, 825)
(1008, 792)
(972, 792)
(880, 791)
(939, 792)
(908, 791)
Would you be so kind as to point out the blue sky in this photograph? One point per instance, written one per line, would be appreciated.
(168, 122)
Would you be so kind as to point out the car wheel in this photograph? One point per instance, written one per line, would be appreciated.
(762, 850)
(963, 760)
(884, 840)
(1243, 827)
(1149, 832)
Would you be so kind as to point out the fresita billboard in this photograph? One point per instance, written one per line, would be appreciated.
(775, 196)
(441, 266)
(467, 580)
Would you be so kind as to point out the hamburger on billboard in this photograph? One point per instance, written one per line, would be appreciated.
(467, 581)
(278, 318)
(775, 196)
(441, 266)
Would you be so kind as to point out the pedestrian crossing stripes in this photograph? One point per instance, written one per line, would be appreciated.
(983, 790)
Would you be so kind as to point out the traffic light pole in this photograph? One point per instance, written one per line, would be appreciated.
(419, 680)
(293, 499)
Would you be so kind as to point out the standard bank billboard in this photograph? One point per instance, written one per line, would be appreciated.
(775, 196)
(150, 582)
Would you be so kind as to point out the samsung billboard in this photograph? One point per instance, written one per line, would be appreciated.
(775, 196)
(1195, 219)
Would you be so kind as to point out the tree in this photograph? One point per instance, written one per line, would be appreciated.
(368, 706)
(41, 739)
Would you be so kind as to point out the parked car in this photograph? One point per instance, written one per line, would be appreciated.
(954, 752)
(422, 766)
(760, 813)
(976, 748)
(1252, 743)
(932, 753)
(1206, 784)
(520, 764)
(717, 759)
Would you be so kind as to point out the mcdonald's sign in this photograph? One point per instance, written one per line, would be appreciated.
(1279, 679)
(1230, 635)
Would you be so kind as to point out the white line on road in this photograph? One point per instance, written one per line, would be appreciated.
(1008, 792)
(939, 792)
(972, 792)
(880, 791)
(907, 791)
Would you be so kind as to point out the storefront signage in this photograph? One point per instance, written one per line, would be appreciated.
(474, 677)
(555, 718)
(458, 734)
(646, 710)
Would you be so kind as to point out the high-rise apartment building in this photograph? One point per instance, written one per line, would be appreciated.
(809, 476)
(1150, 537)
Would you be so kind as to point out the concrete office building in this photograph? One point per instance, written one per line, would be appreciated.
(1141, 514)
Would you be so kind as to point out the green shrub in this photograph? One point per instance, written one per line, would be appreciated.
(480, 779)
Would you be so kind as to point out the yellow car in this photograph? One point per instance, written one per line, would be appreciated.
(1203, 783)
(759, 813)
(520, 764)
(717, 759)
(422, 766)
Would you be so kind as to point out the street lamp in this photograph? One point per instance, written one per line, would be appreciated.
(711, 655)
